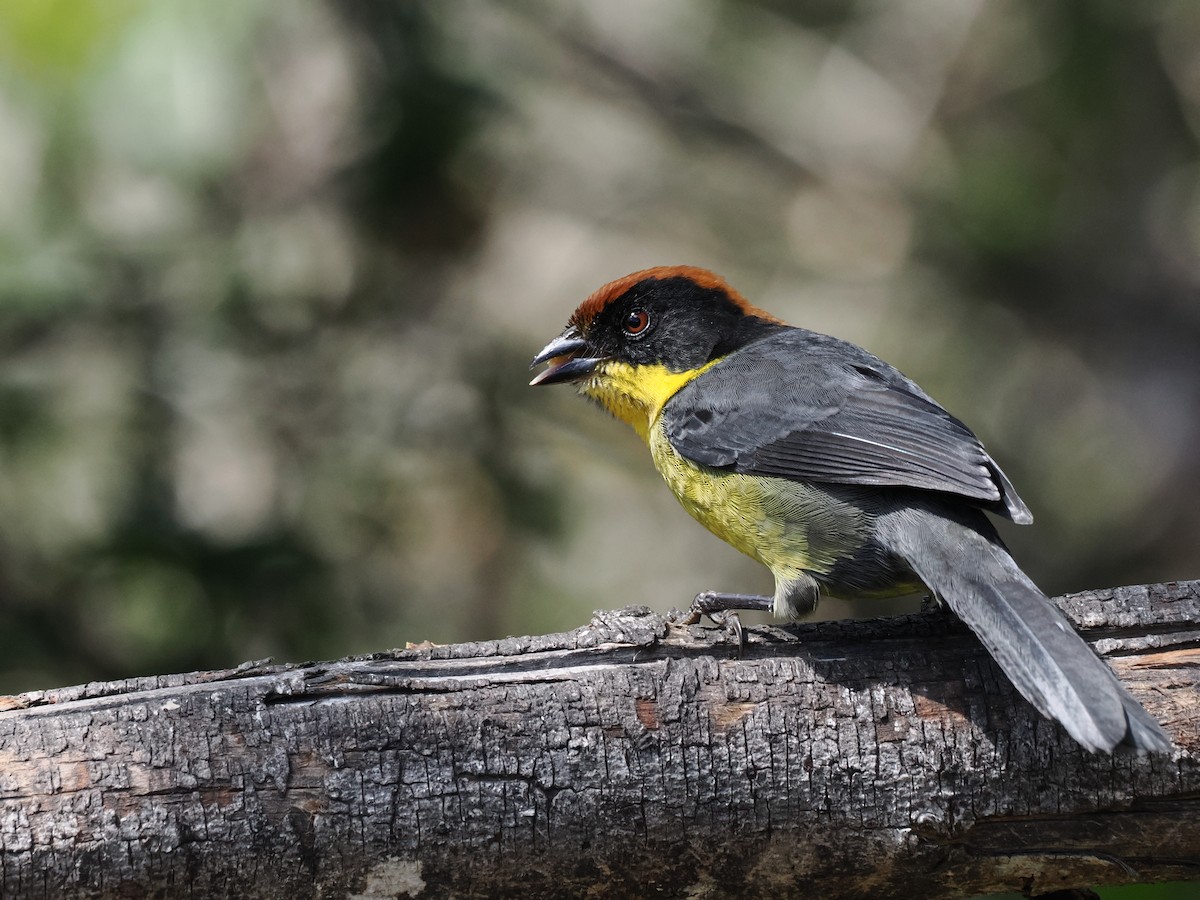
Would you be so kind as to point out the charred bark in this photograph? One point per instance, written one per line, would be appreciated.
(883, 758)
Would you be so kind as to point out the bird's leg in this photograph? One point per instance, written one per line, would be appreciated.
(715, 603)
(723, 610)
(941, 613)
(934, 605)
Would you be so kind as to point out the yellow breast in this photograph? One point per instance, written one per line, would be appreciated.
(768, 519)
(791, 527)
(788, 526)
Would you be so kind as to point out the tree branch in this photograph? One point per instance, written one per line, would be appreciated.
(626, 758)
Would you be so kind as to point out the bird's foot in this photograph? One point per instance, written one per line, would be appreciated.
(934, 606)
(723, 609)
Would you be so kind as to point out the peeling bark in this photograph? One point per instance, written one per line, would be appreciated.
(883, 758)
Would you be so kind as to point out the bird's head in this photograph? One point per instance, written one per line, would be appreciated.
(638, 339)
(677, 317)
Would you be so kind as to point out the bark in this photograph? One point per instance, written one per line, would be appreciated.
(882, 758)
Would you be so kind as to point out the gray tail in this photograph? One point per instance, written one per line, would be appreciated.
(965, 564)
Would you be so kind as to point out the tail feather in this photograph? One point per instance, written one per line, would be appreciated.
(967, 567)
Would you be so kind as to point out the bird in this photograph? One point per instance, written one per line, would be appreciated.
(835, 471)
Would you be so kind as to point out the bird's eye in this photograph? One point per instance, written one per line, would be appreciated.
(636, 322)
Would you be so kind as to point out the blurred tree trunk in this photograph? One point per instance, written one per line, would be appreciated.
(880, 758)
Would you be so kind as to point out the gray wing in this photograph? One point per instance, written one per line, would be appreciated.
(809, 407)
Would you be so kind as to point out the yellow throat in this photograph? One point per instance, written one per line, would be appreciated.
(636, 394)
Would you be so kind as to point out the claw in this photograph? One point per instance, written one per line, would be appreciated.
(722, 609)
(732, 623)
(679, 617)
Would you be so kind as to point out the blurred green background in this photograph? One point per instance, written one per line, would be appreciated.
(271, 275)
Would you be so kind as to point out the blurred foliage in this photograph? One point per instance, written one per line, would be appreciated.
(270, 275)
(1175, 891)
(236, 414)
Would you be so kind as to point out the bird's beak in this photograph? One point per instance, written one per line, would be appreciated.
(567, 362)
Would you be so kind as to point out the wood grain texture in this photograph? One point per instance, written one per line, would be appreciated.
(883, 758)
